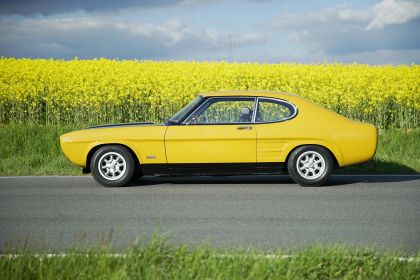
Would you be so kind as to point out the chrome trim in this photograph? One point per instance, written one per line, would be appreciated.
(281, 100)
(245, 127)
(254, 113)
(219, 97)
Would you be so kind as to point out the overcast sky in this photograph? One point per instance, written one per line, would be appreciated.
(364, 31)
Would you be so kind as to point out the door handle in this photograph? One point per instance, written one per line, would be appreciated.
(244, 127)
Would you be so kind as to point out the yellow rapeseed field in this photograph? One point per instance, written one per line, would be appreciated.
(87, 92)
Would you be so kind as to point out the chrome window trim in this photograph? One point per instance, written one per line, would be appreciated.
(186, 116)
(278, 100)
(257, 99)
(254, 112)
(221, 97)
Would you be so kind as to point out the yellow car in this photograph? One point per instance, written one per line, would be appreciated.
(226, 133)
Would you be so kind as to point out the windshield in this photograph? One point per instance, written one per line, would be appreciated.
(178, 116)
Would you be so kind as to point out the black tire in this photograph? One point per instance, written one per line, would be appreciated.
(122, 176)
(322, 157)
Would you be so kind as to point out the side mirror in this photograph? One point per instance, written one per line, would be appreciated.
(169, 122)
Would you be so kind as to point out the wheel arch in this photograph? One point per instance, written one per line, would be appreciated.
(97, 147)
(336, 163)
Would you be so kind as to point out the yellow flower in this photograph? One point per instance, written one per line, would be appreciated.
(102, 90)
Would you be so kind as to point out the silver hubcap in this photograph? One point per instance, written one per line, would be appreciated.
(112, 166)
(310, 165)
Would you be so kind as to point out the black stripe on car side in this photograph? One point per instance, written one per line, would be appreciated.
(213, 168)
(120, 124)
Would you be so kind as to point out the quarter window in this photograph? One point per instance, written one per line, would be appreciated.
(270, 110)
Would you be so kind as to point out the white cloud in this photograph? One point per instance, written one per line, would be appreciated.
(380, 15)
(51, 7)
(345, 31)
(106, 37)
(347, 14)
(390, 12)
(376, 57)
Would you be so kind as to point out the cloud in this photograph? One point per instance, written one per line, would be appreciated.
(376, 57)
(49, 7)
(341, 30)
(390, 12)
(98, 36)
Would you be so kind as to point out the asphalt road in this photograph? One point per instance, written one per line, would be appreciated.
(250, 211)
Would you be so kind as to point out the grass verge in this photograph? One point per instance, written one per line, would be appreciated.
(35, 150)
(160, 259)
(398, 152)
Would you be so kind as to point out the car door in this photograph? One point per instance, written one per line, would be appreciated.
(219, 134)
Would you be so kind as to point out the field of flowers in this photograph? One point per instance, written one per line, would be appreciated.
(84, 92)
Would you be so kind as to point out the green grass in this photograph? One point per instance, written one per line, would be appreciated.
(398, 152)
(161, 259)
(35, 150)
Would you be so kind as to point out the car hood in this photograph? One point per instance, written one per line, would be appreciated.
(115, 132)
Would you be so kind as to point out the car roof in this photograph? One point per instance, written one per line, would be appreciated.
(259, 93)
(295, 99)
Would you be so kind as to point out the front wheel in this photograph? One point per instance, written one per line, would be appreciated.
(112, 166)
(310, 165)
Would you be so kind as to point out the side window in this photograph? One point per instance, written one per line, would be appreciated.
(270, 110)
(224, 110)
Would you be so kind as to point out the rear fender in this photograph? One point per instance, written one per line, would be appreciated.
(332, 147)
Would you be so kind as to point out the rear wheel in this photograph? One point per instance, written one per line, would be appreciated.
(112, 166)
(310, 165)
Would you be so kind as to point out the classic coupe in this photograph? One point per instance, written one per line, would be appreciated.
(226, 133)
